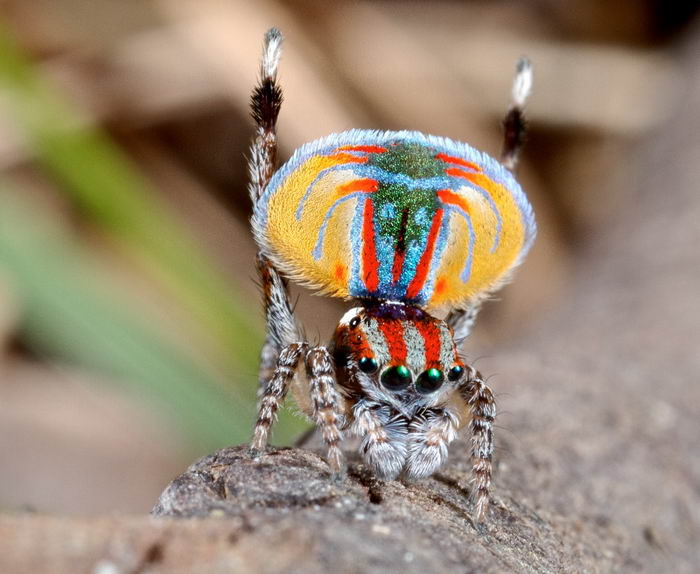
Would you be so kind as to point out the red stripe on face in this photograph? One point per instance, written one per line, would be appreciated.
(370, 265)
(430, 332)
(423, 266)
(364, 148)
(393, 333)
(458, 161)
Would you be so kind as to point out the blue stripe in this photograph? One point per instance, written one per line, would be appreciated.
(318, 249)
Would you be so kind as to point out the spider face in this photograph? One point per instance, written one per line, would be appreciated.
(397, 354)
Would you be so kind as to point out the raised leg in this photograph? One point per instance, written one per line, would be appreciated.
(429, 438)
(383, 433)
(327, 405)
(265, 103)
(514, 122)
(281, 328)
(461, 321)
(482, 408)
(274, 394)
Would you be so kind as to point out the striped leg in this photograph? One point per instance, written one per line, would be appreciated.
(266, 101)
(383, 435)
(428, 441)
(514, 122)
(482, 408)
(327, 405)
(274, 394)
(281, 328)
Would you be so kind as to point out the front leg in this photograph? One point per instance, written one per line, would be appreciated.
(327, 405)
(383, 433)
(429, 438)
(482, 408)
(281, 328)
(274, 394)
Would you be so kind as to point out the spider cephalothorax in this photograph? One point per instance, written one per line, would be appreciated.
(398, 370)
(406, 224)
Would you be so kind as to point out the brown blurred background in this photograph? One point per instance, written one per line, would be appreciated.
(159, 91)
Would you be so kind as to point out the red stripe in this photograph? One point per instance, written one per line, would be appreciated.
(423, 266)
(368, 185)
(393, 333)
(450, 197)
(458, 161)
(370, 265)
(431, 337)
(347, 158)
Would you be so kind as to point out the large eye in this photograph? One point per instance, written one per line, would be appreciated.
(367, 365)
(430, 381)
(396, 378)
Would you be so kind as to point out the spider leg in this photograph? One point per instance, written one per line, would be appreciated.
(514, 122)
(280, 326)
(274, 394)
(428, 441)
(327, 405)
(461, 321)
(383, 434)
(265, 101)
(482, 408)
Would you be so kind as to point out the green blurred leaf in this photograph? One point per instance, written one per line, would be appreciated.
(111, 193)
(67, 310)
(103, 183)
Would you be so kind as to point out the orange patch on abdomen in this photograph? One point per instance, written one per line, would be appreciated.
(340, 273)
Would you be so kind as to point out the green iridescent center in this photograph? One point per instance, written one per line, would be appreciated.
(405, 213)
(414, 160)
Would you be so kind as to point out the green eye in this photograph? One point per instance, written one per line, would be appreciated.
(396, 378)
(367, 365)
(430, 381)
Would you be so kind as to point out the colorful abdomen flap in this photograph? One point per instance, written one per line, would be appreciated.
(398, 216)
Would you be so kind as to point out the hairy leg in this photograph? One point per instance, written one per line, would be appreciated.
(281, 327)
(514, 122)
(274, 394)
(482, 408)
(429, 437)
(383, 433)
(265, 102)
(461, 322)
(515, 128)
(327, 404)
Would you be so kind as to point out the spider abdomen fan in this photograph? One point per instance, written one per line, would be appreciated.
(397, 216)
